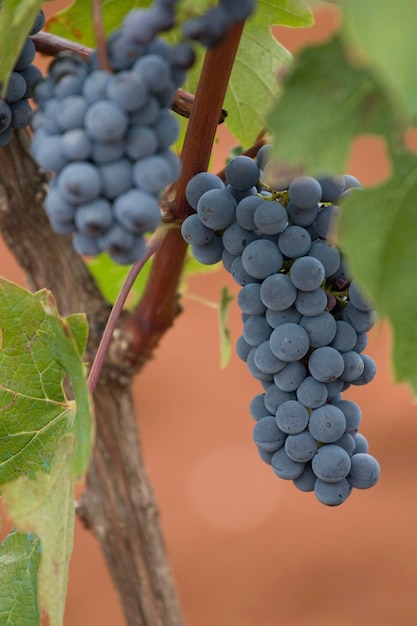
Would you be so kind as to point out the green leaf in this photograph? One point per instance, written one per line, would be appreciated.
(76, 21)
(16, 20)
(37, 350)
(378, 232)
(45, 506)
(253, 86)
(387, 34)
(225, 340)
(293, 13)
(110, 277)
(20, 555)
(326, 102)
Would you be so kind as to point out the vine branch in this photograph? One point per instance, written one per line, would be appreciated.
(159, 304)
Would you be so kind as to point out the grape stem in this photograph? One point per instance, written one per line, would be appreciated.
(97, 365)
(100, 35)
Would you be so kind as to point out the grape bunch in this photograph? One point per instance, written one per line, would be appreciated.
(15, 111)
(106, 136)
(305, 322)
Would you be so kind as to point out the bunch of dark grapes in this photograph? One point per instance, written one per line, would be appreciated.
(304, 319)
(106, 137)
(15, 111)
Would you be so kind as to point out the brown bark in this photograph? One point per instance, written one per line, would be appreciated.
(119, 506)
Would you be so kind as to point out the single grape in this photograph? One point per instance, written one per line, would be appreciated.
(331, 463)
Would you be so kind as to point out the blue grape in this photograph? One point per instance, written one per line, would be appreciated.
(210, 253)
(199, 184)
(254, 369)
(277, 292)
(166, 129)
(79, 182)
(153, 173)
(294, 242)
(243, 348)
(362, 321)
(270, 218)
(26, 56)
(276, 318)
(155, 72)
(361, 443)
(354, 366)
(332, 187)
(357, 297)
(261, 258)
(306, 481)
(137, 211)
(70, 112)
(105, 121)
(240, 275)
(345, 338)
(327, 423)
(242, 172)
(325, 364)
(332, 494)
(290, 378)
(194, 232)
(311, 303)
(216, 209)
(76, 145)
(94, 218)
(256, 330)
(326, 219)
(292, 417)
(236, 238)
(302, 217)
(312, 393)
(95, 85)
(289, 342)
(257, 407)
(305, 192)
(307, 273)
(249, 299)
(364, 471)
(369, 371)
(21, 114)
(127, 89)
(85, 245)
(320, 328)
(331, 463)
(116, 240)
(265, 360)
(5, 116)
(117, 177)
(267, 435)
(274, 397)
(245, 211)
(327, 254)
(16, 88)
(301, 447)
(284, 467)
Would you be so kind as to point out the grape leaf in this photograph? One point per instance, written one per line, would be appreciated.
(378, 232)
(38, 349)
(326, 102)
(253, 86)
(45, 506)
(388, 37)
(20, 555)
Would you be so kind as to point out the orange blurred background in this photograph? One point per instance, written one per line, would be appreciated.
(246, 548)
